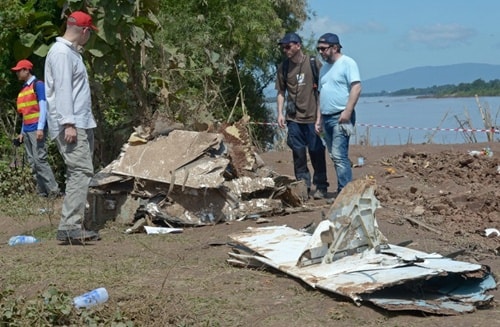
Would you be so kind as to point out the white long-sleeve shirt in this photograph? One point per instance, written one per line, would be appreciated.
(67, 89)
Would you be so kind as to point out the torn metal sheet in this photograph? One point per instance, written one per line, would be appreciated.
(102, 178)
(351, 226)
(246, 185)
(203, 173)
(163, 158)
(361, 276)
(256, 208)
(191, 207)
(162, 230)
(348, 255)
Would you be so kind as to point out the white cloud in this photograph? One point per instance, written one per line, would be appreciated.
(320, 25)
(441, 35)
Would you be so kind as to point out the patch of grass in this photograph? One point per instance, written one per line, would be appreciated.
(52, 308)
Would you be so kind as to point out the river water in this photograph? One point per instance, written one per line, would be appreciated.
(412, 120)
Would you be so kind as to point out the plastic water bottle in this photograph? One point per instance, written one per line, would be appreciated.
(22, 239)
(488, 151)
(361, 161)
(92, 298)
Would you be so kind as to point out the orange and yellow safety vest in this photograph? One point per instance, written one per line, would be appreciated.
(27, 104)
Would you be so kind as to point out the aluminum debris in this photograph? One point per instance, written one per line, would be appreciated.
(187, 178)
(348, 255)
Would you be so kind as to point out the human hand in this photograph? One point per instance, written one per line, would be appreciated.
(17, 141)
(70, 133)
(39, 135)
(281, 121)
(318, 128)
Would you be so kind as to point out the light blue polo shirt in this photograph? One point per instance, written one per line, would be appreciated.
(335, 84)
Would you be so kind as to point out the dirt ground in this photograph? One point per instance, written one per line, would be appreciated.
(438, 196)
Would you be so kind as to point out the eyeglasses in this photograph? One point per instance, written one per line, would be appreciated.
(89, 30)
(320, 49)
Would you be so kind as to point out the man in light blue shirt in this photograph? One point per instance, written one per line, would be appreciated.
(340, 88)
(71, 122)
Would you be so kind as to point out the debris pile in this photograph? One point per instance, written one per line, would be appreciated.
(187, 178)
(348, 255)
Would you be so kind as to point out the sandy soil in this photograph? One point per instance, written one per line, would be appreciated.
(438, 196)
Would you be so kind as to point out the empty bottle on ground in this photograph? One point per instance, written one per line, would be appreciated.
(22, 239)
(92, 298)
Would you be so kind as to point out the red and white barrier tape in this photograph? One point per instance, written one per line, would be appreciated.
(492, 130)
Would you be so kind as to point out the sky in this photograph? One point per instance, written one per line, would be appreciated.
(388, 36)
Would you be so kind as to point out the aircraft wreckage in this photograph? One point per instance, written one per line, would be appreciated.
(189, 178)
(184, 178)
(348, 255)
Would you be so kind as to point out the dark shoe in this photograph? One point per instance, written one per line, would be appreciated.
(55, 195)
(320, 194)
(77, 235)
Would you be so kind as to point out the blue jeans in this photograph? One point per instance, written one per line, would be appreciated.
(301, 138)
(337, 144)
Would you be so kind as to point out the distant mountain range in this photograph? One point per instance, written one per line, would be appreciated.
(428, 76)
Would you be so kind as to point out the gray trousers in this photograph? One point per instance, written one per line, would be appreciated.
(79, 171)
(36, 152)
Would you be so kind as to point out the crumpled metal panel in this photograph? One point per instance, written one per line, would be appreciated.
(247, 185)
(351, 226)
(362, 276)
(166, 158)
(255, 208)
(452, 294)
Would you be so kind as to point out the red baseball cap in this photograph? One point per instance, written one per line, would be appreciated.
(22, 64)
(79, 18)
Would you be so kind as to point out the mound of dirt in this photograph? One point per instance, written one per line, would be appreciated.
(439, 196)
(456, 194)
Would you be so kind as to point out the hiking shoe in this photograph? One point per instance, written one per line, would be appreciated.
(320, 194)
(55, 195)
(77, 235)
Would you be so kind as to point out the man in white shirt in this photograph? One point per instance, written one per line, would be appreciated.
(71, 122)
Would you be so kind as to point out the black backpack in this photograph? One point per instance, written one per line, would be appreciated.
(314, 69)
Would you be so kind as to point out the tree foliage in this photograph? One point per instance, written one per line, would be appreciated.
(198, 62)
(478, 87)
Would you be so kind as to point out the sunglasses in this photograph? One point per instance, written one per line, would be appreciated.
(323, 48)
(286, 47)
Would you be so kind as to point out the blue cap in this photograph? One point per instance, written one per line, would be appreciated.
(329, 38)
(290, 38)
